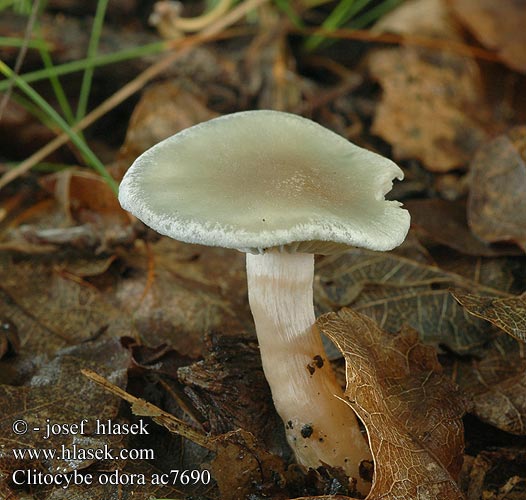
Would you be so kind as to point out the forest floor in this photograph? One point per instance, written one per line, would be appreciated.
(106, 323)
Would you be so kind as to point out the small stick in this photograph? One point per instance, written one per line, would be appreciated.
(144, 409)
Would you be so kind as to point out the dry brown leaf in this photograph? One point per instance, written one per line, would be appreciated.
(509, 314)
(496, 384)
(446, 223)
(240, 466)
(433, 102)
(496, 475)
(84, 214)
(84, 195)
(164, 109)
(412, 413)
(497, 203)
(395, 291)
(52, 309)
(498, 26)
(177, 292)
(268, 70)
(507, 274)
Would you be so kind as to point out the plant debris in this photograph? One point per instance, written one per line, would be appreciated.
(420, 335)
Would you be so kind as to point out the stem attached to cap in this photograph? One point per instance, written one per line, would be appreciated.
(320, 428)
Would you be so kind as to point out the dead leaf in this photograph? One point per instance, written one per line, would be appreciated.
(503, 404)
(506, 274)
(433, 103)
(496, 475)
(268, 70)
(84, 214)
(52, 309)
(80, 192)
(495, 382)
(165, 108)
(395, 291)
(446, 223)
(509, 314)
(176, 292)
(497, 205)
(498, 26)
(412, 413)
(241, 466)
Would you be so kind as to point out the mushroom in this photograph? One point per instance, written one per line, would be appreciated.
(280, 188)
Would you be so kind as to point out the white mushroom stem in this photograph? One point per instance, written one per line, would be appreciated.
(320, 428)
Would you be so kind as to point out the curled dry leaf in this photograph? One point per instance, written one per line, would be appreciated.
(412, 413)
(509, 314)
(498, 26)
(74, 190)
(497, 205)
(432, 102)
(84, 214)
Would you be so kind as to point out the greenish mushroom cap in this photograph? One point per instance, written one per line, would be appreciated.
(257, 180)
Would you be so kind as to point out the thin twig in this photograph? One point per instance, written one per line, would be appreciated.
(21, 55)
(142, 408)
(135, 85)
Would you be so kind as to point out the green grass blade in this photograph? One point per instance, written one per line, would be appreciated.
(30, 107)
(4, 4)
(57, 87)
(339, 16)
(80, 65)
(8, 41)
(90, 156)
(375, 13)
(284, 6)
(92, 52)
(22, 7)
